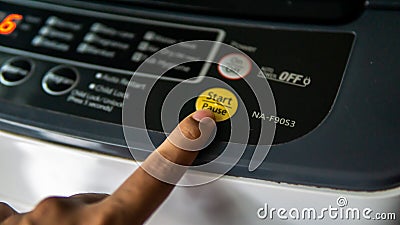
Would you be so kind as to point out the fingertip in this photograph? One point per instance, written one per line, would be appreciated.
(201, 114)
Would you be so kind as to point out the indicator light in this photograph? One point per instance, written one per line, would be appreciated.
(8, 25)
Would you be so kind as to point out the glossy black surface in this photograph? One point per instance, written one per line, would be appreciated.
(354, 148)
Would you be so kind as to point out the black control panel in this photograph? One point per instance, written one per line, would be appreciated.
(79, 62)
(67, 71)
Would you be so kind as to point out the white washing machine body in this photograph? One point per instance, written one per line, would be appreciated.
(31, 170)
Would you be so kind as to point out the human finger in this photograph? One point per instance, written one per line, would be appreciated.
(142, 193)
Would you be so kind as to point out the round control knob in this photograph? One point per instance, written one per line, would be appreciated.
(60, 80)
(15, 71)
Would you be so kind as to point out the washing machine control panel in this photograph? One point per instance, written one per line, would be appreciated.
(78, 63)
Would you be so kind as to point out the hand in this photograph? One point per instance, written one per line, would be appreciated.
(132, 203)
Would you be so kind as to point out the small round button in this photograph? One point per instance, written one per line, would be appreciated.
(15, 71)
(234, 66)
(60, 80)
(222, 102)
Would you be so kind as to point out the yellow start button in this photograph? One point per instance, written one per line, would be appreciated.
(222, 102)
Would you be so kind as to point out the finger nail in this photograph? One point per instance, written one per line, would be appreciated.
(201, 114)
